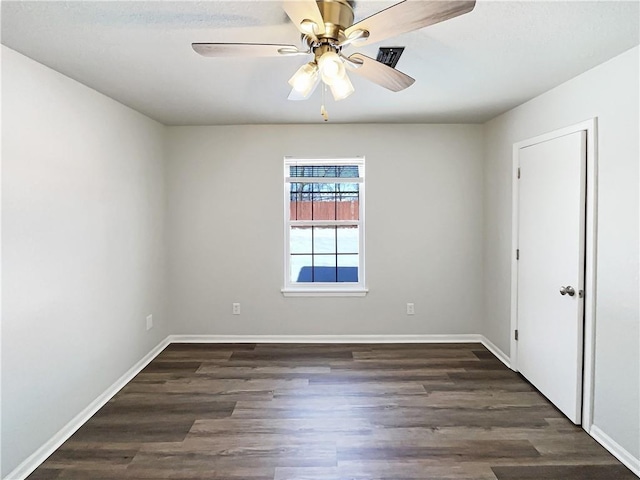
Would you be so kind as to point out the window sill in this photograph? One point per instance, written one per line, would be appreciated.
(324, 292)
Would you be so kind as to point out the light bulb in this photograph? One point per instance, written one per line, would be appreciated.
(331, 67)
(305, 78)
(342, 88)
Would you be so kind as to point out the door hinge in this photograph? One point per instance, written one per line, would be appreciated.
(515, 335)
(518, 254)
(518, 172)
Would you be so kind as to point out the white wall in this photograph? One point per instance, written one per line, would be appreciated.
(82, 248)
(225, 224)
(609, 92)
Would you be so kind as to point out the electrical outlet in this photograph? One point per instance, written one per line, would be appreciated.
(410, 309)
(236, 309)
(149, 322)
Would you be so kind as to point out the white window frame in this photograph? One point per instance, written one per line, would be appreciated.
(327, 289)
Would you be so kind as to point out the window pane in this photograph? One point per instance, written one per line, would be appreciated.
(348, 206)
(335, 171)
(324, 240)
(348, 240)
(300, 240)
(347, 268)
(324, 268)
(300, 267)
(300, 201)
(348, 187)
(324, 202)
(300, 210)
(348, 201)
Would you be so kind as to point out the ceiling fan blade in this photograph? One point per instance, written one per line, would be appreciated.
(407, 16)
(299, 10)
(380, 73)
(245, 50)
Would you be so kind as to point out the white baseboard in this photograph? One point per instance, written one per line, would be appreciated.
(631, 462)
(503, 357)
(34, 460)
(470, 338)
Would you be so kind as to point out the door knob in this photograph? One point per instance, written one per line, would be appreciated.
(568, 290)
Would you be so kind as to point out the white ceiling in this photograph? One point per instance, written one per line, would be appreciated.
(468, 69)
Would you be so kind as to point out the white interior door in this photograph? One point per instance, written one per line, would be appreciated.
(551, 226)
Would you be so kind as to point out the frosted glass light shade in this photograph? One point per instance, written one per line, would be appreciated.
(305, 79)
(342, 88)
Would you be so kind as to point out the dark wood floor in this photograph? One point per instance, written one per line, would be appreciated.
(329, 412)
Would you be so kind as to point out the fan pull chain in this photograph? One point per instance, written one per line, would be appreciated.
(323, 111)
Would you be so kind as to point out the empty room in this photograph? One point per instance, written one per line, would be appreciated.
(306, 240)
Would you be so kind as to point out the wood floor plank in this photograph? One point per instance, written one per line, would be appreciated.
(458, 451)
(418, 353)
(114, 430)
(565, 472)
(388, 389)
(190, 356)
(90, 455)
(226, 371)
(207, 431)
(412, 470)
(291, 355)
(83, 472)
(171, 366)
(226, 459)
(45, 473)
(329, 412)
(375, 377)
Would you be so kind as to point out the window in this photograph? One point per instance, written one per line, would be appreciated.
(324, 227)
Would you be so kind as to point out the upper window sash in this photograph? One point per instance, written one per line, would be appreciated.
(343, 162)
(324, 179)
(301, 162)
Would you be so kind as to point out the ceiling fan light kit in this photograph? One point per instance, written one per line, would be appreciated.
(330, 68)
(327, 27)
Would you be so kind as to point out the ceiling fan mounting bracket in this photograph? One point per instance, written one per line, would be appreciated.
(337, 16)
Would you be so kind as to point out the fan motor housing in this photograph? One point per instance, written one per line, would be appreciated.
(337, 16)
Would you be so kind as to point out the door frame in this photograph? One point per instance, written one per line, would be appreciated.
(589, 126)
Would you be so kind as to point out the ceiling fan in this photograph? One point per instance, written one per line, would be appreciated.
(327, 28)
